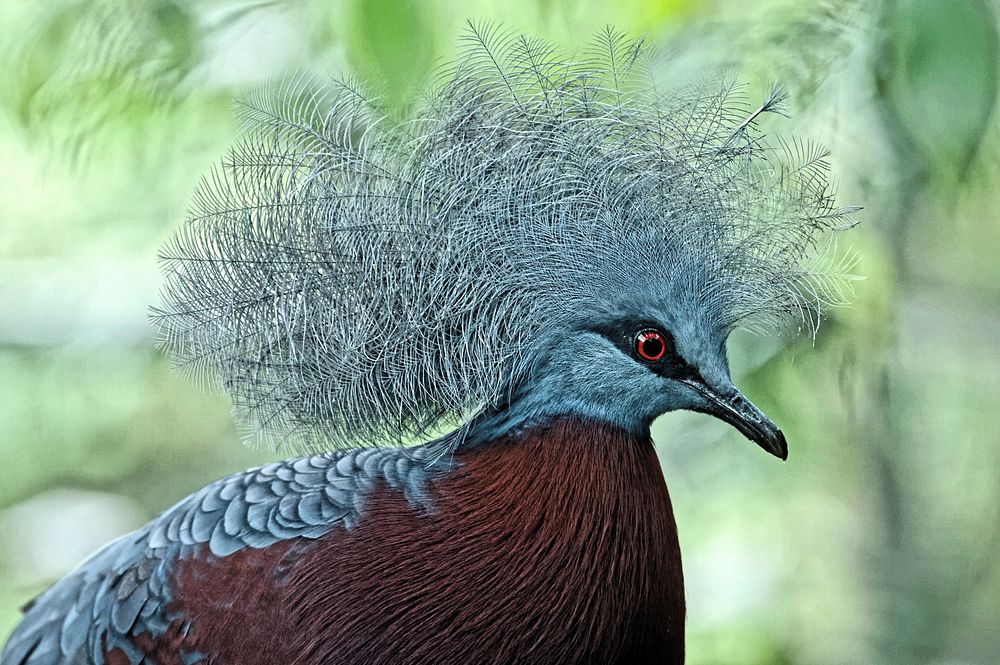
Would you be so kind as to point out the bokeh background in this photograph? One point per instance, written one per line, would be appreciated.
(879, 540)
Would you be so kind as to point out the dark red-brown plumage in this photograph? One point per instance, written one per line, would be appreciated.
(557, 547)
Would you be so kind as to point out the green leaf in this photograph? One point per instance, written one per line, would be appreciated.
(393, 42)
(87, 69)
(177, 28)
(937, 77)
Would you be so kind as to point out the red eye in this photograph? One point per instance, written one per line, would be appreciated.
(651, 345)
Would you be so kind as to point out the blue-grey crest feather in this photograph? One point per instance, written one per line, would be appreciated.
(349, 278)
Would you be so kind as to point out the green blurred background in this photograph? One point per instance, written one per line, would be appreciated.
(878, 542)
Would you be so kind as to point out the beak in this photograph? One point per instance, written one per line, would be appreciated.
(729, 405)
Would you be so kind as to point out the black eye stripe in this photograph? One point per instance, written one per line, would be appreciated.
(624, 333)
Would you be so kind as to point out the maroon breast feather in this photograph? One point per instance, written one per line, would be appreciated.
(556, 547)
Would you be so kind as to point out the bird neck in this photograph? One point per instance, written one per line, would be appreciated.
(527, 411)
(583, 511)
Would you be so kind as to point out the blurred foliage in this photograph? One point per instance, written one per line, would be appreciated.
(395, 44)
(879, 541)
(935, 53)
(87, 64)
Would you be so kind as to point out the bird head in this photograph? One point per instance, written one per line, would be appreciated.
(629, 364)
(546, 236)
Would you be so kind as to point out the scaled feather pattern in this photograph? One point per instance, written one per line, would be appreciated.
(349, 278)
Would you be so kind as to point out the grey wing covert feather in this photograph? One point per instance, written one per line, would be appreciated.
(123, 590)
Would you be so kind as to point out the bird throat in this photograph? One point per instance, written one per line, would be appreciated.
(555, 545)
(583, 525)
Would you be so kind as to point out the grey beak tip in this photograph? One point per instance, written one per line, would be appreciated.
(730, 406)
(778, 446)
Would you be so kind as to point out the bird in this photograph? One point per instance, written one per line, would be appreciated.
(464, 320)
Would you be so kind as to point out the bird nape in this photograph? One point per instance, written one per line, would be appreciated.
(545, 257)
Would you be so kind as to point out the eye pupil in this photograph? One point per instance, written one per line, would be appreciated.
(650, 345)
